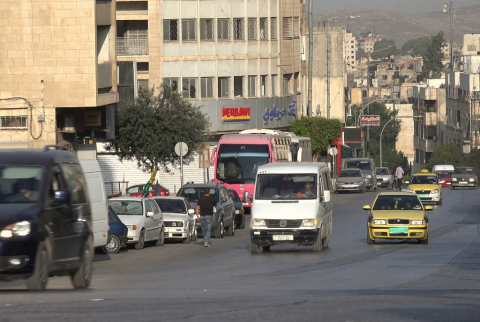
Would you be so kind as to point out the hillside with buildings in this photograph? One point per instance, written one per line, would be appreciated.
(401, 26)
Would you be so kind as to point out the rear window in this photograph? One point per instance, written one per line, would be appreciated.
(360, 164)
(234, 195)
(194, 194)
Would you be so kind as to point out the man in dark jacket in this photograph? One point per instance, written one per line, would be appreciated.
(204, 211)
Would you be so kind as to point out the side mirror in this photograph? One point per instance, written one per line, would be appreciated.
(246, 198)
(326, 196)
(367, 207)
(428, 208)
(150, 214)
(62, 197)
(191, 212)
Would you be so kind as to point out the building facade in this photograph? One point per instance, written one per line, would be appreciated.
(471, 44)
(405, 136)
(366, 41)
(350, 51)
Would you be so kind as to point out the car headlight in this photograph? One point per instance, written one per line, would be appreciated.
(368, 176)
(132, 227)
(340, 183)
(258, 222)
(471, 179)
(454, 179)
(309, 223)
(435, 191)
(18, 229)
(418, 222)
(379, 221)
(177, 224)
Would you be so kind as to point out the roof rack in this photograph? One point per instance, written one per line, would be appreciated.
(54, 147)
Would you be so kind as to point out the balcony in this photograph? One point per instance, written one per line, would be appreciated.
(104, 75)
(428, 93)
(132, 46)
(424, 145)
(431, 119)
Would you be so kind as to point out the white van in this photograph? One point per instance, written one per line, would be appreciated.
(98, 201)
(291, 206)
(443, 168)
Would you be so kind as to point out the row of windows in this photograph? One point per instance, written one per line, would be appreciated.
(13, 122)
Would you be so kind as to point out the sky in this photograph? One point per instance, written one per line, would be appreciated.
(408, 6)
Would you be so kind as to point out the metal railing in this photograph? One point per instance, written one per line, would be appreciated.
(132, 46)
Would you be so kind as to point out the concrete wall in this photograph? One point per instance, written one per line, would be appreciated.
(405, 137)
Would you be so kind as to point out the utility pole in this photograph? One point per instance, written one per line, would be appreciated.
(328, 69)
(452, 15)
(310, 57)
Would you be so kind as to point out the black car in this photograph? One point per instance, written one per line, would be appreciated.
(45, 218)
(224, 213)
(118, 234)
(239, 211)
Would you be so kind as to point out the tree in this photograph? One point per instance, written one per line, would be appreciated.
(416, 47)
(383, 48)
(452, 154)
(434, 55)
(150, 127)
(320, 130)
(361, 54)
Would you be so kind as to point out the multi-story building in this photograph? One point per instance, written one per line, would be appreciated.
(405, 136)
(350, 51)
(221, 56)
(57, 72)
(367, 41)
(471, 44)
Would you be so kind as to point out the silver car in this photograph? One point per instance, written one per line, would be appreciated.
(350, 180)
(384, 177)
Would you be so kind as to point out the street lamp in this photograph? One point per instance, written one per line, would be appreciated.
(381, 133)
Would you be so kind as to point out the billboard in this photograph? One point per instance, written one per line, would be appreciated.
(370, 120)
(352, 136)
(236, 114)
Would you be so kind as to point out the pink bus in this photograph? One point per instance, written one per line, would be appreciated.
(238, 156)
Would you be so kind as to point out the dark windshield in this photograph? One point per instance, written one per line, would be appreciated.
(20, 184)
(424, 179)
(350, 173)
(128, 207)
(194, 194)
(234, 195)
(397, 203)
(382, 172)
(444, 175)
(464, 171)
(286, 186)
(362, 165)
(175, 206)
(238, 163)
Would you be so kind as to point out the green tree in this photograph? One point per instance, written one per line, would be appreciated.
(416, 47)
(322, 131)
(383, 48)
(361, 54)
(150, 127)
(434, 56)
(452, 154)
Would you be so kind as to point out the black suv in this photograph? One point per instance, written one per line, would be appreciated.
(224, 214)
(45, 218)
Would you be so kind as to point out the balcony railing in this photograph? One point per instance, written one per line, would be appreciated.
(132, 46)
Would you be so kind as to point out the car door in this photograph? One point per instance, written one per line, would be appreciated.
(158, 215)
(228, 206)
(150, 222)
(191, 218)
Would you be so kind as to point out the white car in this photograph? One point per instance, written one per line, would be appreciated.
(179, 218)
(143, 218)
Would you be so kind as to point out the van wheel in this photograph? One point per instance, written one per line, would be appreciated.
(254, 249)
(38, 281)
(83, 275)
(113, 246)
(231, 229)
(141, 241)
(318, 243)
(220, 231)
(326, 242)
(161, 239)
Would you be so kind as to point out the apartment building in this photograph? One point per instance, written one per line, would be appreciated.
(57, 72)
(367, 41)
(226, 57)
(350, 51)
(405, 141)
(471, 44)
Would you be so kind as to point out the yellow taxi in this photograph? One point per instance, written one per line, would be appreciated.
(397, 215)
(427, 186)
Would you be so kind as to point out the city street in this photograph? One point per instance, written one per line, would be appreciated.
(351, 281)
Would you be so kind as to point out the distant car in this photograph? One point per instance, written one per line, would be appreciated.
(464, 177)
(178, 217)
(427, 186)
(397, 215)
(350, 180)
(384, 177)
(118, 234)
(143, 218)
(239, 211)
(445, 178)
(224, 212)
(137, 191)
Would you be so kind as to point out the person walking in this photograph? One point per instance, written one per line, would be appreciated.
(399, 176)
(204, 212)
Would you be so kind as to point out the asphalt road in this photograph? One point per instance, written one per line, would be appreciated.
(351, 281)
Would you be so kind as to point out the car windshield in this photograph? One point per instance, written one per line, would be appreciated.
(238, 163)
(127, 207)
(286, 186)
(382, 172)
(20, 184)
(424, 179)
(445, 175)
(362, 165)
(175, 206)
(194, 194)
(350, 173)
(397, 202)
(234, 195)
(463, 171)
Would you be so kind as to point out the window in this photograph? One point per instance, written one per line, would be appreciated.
(287, 28)
(223, 89)
(274, 85)
(263, 85)
(238, 29)
(75, 182)
(13, 122)
(252, 81)
(189, 30)
(286, 84)
(296, 27)
(273, 27)
(252, 28)
(142, 85)
(295, 83)
(238, 86)
(263, 28)
(206, 87)
(170, 30)
(189, 87)
(223, 30)
(289, 186)
(206, 29)
(173, 82)
(471, 48)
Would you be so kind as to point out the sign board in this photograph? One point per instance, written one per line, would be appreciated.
(352, 136)
(370, 120)
(204, 158)
(333, 151)
(93, 118)
(235, 114)
(181, 149)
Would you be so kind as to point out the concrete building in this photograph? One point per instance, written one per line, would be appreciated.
(221, 55)
(405, 136)
(350, 51)
(57, 72)
(367, 41)
(471, 44)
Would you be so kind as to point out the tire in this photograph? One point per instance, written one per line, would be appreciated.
(254, 249)
(82, 277)
(231, 229)
(186, 240)
(220, 231)
(363, 190)
(141, 241)
(242, 224)
(453, 188)
(113, 246)
(424, 241)
(38, 281)
(369, 240)
(161, 240)
(318, 243)
(266, 248)
(194, 236)
(440, 201)
(326, 242)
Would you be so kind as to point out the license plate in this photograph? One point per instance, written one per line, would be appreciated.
(386, 179)
(463, 182)
(349, 186)
(398, 230)
(282, 237)
(423, 196)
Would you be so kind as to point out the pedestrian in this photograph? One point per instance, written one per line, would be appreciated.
(399, 176)
(394, 177)
(205, 215)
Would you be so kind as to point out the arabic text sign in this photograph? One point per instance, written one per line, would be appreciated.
(236, 114)
(93, 118)
(370, 120)
(274, 113)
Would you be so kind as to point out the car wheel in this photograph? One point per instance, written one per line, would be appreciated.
(186, 240)
(423, 241)
(363, 190)
(194, 235)
(369, 240)
(326, 242)
(220, 231)
(440, 201)
(242, 224)
(266, 248)
(161, 239)
(231, 229)
(141, 241)
(38, 281)
(113, 246)
(254, 248)
(318, 243)
(453, 188)
(83, 275)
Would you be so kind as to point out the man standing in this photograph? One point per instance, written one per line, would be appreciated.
(399, 175)
(205, 210)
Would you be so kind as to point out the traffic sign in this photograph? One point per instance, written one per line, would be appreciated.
(181, 148)
(333, 151)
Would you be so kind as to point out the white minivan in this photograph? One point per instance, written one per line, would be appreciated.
(291, 206)
(98, 201)
(443, 168)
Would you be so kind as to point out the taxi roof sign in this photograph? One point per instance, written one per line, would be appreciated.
(424, 170)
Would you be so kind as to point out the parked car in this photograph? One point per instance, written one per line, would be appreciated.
(350, 180)
(445, 178)
(384, 177)
(239, 212)
(143, 218)
(368, 170)
(45, 226)
(118, 234)
(224, 212)
(179, 218)
(464, 177)
(137, 191)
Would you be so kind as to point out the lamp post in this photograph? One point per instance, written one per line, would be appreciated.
(393, 119)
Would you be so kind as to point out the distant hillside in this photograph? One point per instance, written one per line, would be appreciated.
(402, 27)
